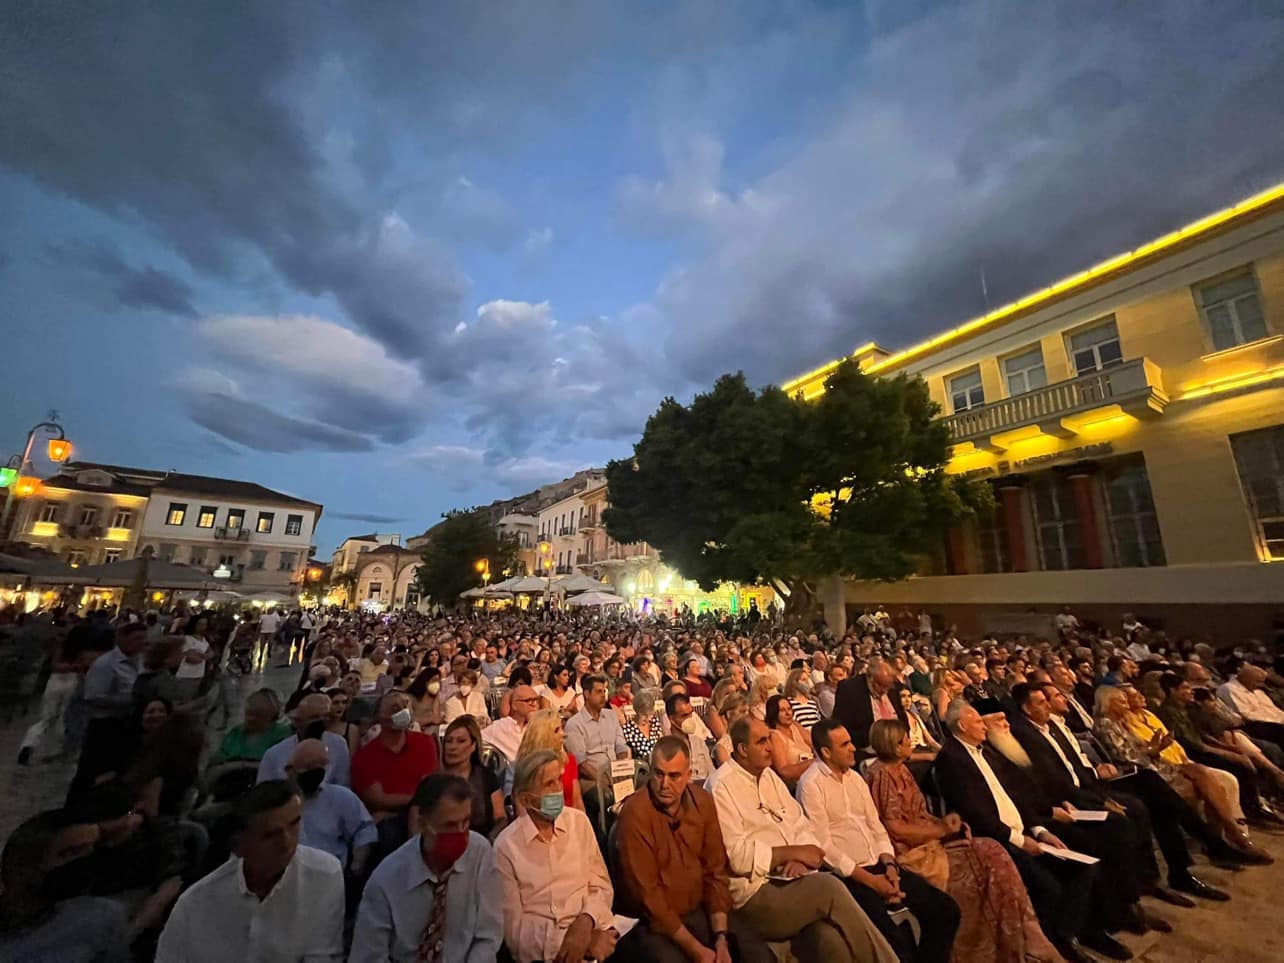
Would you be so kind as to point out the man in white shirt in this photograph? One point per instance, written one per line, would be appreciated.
(269, 622)
(767, 835)
(556, 892)
(274, 900)
(682, 719)
(309, 719)
(400, 917)
(842, 816)
(506, 734)
(1263, 719)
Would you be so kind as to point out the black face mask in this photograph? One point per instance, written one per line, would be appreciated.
(314, 730)
(310, 781)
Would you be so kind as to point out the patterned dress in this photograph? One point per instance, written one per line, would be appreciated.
(998, 921)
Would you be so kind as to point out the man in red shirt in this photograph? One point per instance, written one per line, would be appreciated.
(387, 771)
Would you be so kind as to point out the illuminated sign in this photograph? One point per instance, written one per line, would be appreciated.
(1053, 457)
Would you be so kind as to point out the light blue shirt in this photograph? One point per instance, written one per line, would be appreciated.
(397, 903)
(278, 757)
(111, 678)
(81, 930)
(336, 821)
(596, 741)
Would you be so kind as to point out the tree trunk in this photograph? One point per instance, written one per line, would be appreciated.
(834, 595)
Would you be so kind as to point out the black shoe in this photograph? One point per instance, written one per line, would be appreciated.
(24, 756)
(1071, 951)
(1133, 922)
(1156, 923)
(1197, 887)
(1106, 945)
(1166, 895)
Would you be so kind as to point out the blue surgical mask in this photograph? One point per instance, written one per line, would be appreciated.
(551, 806)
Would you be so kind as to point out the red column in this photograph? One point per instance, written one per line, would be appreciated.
(1014, 520)
(1086, 508)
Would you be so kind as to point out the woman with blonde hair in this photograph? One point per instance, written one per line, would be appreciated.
(734, 706)
(947, 685)
(998, 920)
(798, 690)
(764, 687)
(544, 731)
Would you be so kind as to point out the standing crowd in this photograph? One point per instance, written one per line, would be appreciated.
(537, 786)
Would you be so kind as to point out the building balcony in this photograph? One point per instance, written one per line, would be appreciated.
(1134, 388)
(232, 534)
(566, 530)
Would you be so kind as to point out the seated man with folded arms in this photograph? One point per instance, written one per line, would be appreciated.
(774, 857)
(433, 899)
(842, 816)
(672, 870)
(554, 885)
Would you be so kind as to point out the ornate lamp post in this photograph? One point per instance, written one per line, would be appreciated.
(15, 478)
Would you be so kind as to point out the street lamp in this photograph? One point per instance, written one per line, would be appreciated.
(21, 485)
(545, 561)
(483, 569)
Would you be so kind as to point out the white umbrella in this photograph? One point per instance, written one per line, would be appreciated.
(530, 583)
(595, 599)
(494, 593)
(577, 583)
(472, 593)
(269, 598)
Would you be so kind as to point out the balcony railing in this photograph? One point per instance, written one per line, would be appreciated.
(566, 530)
(1136, 386)
(232, 534)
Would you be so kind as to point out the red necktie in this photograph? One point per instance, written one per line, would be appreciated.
(432, 946)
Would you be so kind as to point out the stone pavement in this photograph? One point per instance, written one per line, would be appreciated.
(1246, 930)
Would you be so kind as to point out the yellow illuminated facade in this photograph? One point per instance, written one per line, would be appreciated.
(1131, 420)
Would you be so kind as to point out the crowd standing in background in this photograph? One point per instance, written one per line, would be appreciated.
(547, 786)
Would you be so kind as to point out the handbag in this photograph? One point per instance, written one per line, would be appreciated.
(928, 860)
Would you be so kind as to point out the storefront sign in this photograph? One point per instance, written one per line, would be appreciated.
(1056, 457)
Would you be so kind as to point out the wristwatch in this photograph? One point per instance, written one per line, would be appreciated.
(719, 935)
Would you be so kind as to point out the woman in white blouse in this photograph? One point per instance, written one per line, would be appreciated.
(558, 694)
(468, 700)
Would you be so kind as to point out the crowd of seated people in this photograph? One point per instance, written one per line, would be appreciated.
(577, 789)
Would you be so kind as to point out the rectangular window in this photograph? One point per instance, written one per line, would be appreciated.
(375, 590)
(1134, 527)
(166, 551)
(75, 558)
(1095, 348)
(111, 555)
(1259, 457)
(1232, 310)
(89, 515)
(122, 519)
(264, 527)
(177, 513)
(235, 519)
(198, 555)
(1025, 372)
(966, 391)
(288, 560)
(992, 534)
(206, 517)
(258, 559)
(1056, 526)
(227, 561)
(293, 524)
(49, 511)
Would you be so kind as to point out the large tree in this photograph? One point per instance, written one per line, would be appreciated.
(752, 486)
(455, 546)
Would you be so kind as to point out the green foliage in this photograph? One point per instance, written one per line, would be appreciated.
(453, 550)
(725, 487)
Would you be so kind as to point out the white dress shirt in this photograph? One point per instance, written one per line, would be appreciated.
(1047, 737)
(596, 741)
(1253, 705)
(398, 900)
(547, 884)
(1074, 742)
(505, 735)
(219, 919)
(474, 704)
(844, 818)
(1009, 815)
(756, 816)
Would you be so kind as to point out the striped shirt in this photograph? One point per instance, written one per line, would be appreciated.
(805, 713)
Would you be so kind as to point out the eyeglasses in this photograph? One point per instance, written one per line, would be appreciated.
(764, 808)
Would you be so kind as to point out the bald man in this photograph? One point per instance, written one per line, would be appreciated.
(334, 818)
(864, 699)
(1263, 719)
(309, 719)
(506, 734)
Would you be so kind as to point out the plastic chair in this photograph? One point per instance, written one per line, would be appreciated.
(494, 760)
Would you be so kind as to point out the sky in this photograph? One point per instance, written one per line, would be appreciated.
(399, 258)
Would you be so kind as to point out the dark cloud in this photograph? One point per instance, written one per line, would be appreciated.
(145, 287)
(364, 517)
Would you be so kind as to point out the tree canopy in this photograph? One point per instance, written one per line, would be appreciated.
(752, 486)
(455, 546)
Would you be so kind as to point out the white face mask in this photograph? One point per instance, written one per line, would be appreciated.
(401, 719)
(689, 725)
(433, 687)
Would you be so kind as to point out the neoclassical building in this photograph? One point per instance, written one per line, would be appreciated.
(386, 578)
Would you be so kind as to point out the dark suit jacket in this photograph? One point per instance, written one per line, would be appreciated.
(852, 707)
(967, 794)
(1049, 772)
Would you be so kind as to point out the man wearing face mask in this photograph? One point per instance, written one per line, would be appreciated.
(309, 718)
(550, 912)
(387, 770)
(434, 898)
(682, 719)
(334, 819)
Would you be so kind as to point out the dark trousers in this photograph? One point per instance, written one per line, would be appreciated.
(1138, 815)
(1060, 891)
(645, 945)
(1169, 815)
(105, 749)
(937, 913)
(1117, 887)
(1268, 731)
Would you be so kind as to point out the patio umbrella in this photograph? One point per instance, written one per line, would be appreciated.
(472, 593)
(529, 583)
(269, 598)
(595, 599)
(156, 573)
(578, 582)
(494, 593)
